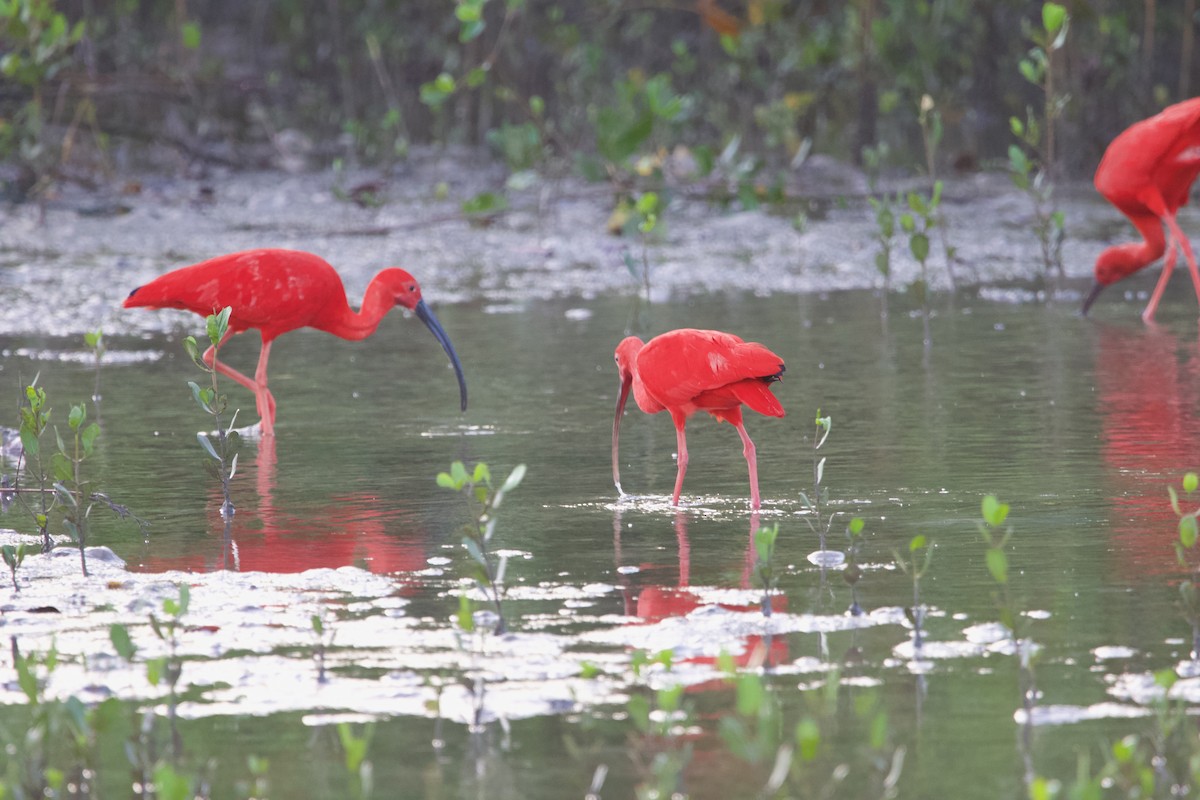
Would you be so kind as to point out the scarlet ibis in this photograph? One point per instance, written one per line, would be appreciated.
(688, 370)
(1146, 172)
(277, 291)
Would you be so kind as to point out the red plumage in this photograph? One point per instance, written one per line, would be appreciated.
(276, 291)
(689, 370)
(1147, 172)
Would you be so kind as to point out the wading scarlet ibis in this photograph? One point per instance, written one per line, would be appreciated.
(277, 291)
(1146, 172)
(688, 370)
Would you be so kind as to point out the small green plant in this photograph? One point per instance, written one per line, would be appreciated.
(1185, 547)
(168, 668)
(13, 556)
(852, 572)
(95, 342)
(660, 717)
(1029, 173)
(930, 120)
(35, 419)
(75, 494)
(816, 520)
(322, 644)
(764, 567)
(53, 753)
(482, 499)
(922, 217)
(642, 215)
(915, 563)
(36, 41)
(224, 454)
(355, 746)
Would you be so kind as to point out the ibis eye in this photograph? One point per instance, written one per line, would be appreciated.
(412, 287)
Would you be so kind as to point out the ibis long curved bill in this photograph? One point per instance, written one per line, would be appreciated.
(427, 316)
(626, 382)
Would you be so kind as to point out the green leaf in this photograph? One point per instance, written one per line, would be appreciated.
(484, 203)
(170, 785)
(917, 542)
(446, 482)
(856, 526)
(997, 564)
(808, 738)
(750, 694)
(190, 34)
(76, 417)
(1171, 493)
(481, 474)
(88, 437)
(207, 444)
(918, 243)
(1187, 530)
(1190, 482)
(62, 468)
(466, 614)
(473, 549)
(119, 636)
(155, 667)
(192, 349)
(1053, 17)
(459, 473)
(514, 479)
(994, 512)
(185, 597)
(468, 11)
(470, 30)
(476, 77)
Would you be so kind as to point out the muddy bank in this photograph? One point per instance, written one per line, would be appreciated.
(66, 270)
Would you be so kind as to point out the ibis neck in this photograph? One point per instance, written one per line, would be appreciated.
(350, 324)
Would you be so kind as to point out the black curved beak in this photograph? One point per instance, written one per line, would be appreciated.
(435, 327)
(1091, 298)
(621, 398)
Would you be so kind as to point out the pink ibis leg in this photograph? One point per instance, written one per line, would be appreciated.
(1182, 240)
(751, 455)
(681, 445)
(263, 399)
(1160, 287)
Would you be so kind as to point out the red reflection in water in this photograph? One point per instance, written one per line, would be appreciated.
(656, 602)
(1149, 432)
(350, 530)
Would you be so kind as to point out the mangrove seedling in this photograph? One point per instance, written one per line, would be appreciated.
(1032, 174)
(1185, 545)
(75, 494)
(355, 746)
(917, 222)
(915, 563)
(482, 499)
(764, 568)
(35, 419)
(95, 342)
(13, 556)
(816, 520)
(852, 571)
(224, 454)
(996, 535)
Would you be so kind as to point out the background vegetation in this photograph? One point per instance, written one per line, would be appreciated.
(596, 82)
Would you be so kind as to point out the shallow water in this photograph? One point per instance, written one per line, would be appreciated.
(1079, 424)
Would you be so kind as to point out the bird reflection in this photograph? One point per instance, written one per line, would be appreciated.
(657, 599)
(1149, 433)
(349, 530)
